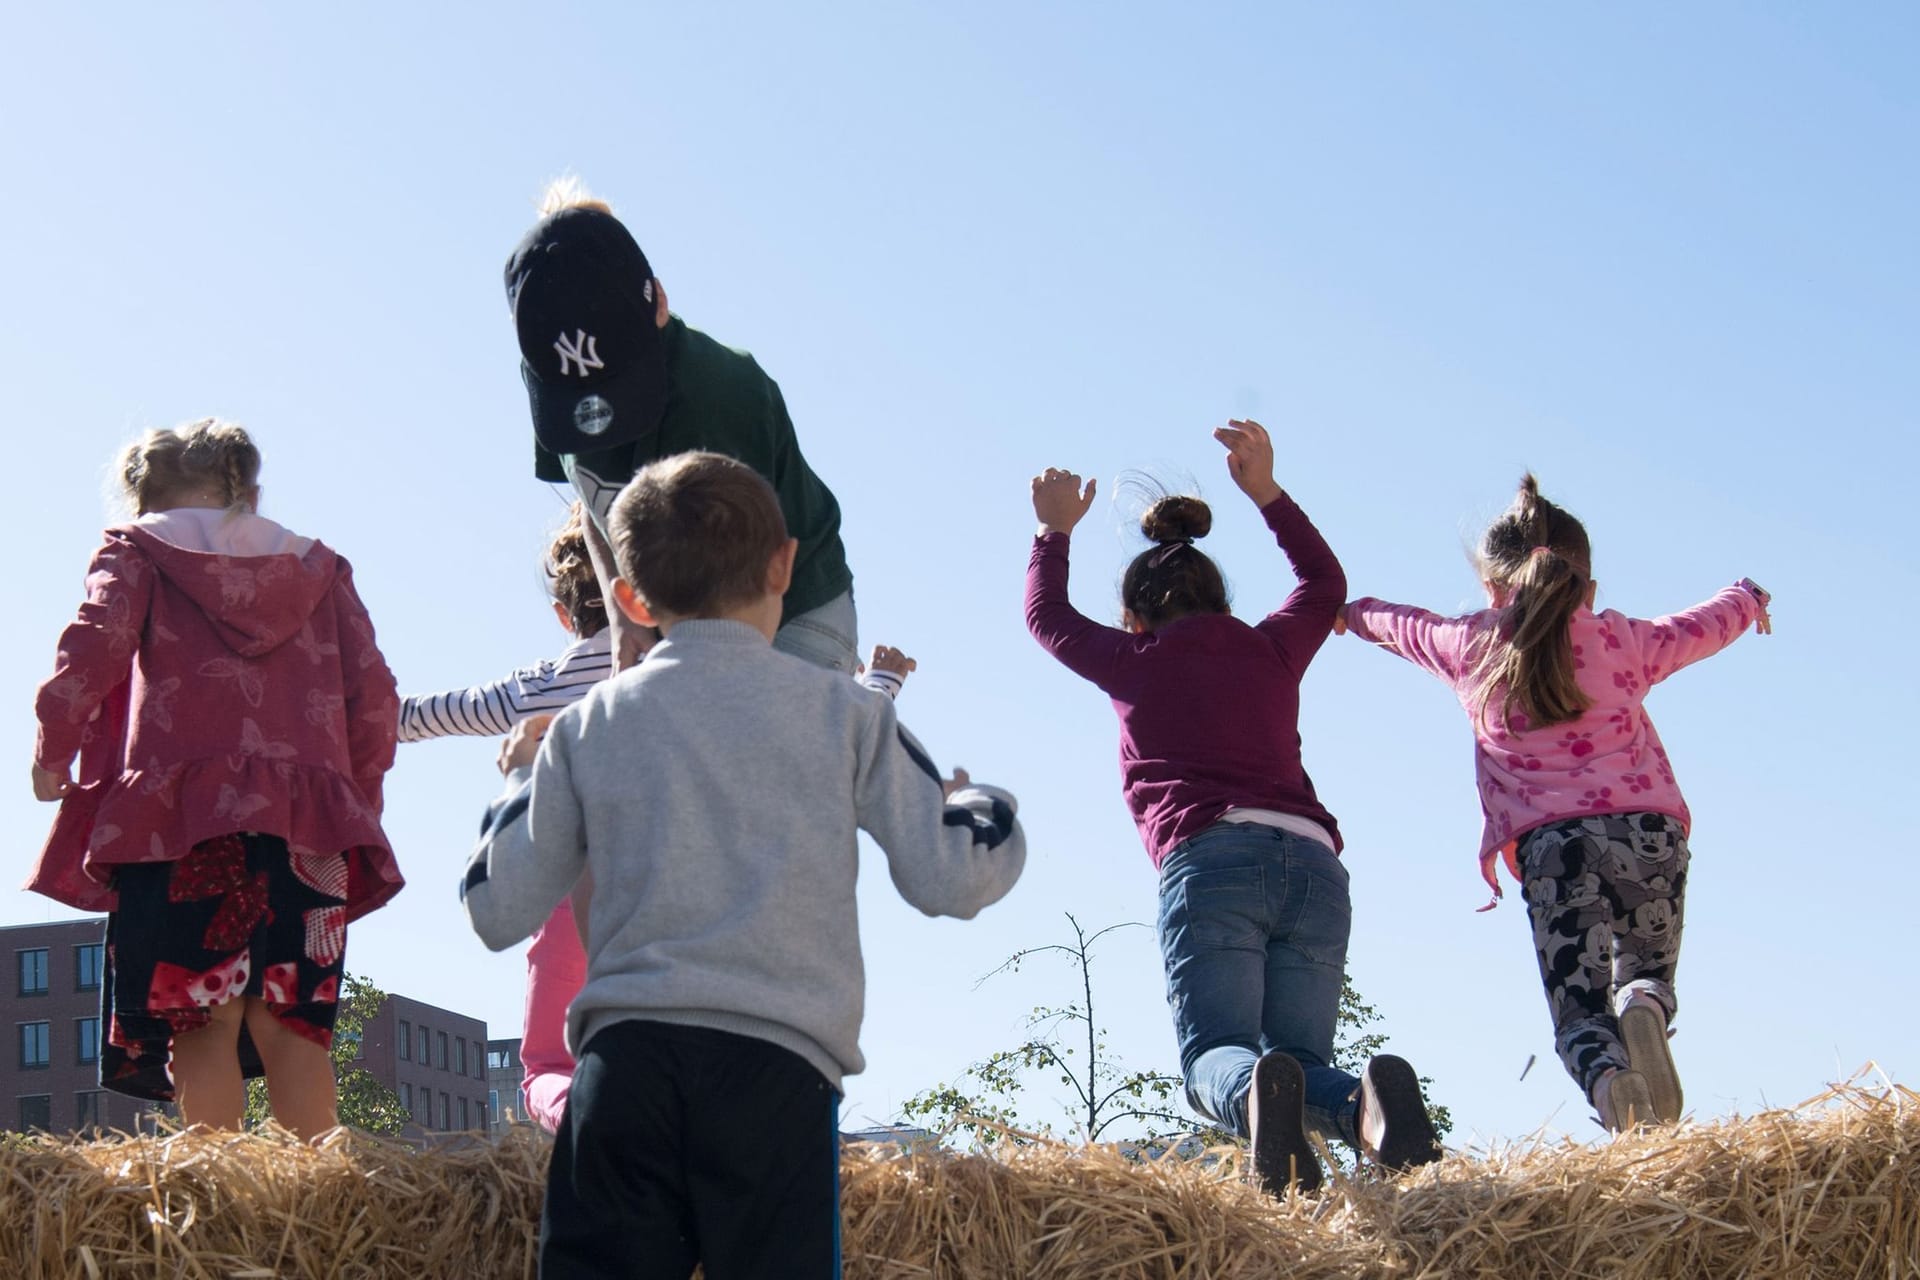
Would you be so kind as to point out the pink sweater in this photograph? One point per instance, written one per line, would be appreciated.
(1609, 760)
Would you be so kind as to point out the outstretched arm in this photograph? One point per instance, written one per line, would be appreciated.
(1428, 640)
(1681, 639)
(488, 710)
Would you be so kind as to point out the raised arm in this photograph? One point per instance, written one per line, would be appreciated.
(949, 855)
(1084, 646)
(489, 710)
(94, 657)
(1304, 620)
(1681, 639)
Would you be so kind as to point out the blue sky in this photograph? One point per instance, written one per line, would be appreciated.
(1664, 257)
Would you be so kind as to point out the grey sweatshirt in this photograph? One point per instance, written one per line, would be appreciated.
(714, 791)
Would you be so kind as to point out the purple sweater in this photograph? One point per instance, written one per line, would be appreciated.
(1209, 706)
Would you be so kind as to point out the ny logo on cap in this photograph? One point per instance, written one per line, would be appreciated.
(571, 353)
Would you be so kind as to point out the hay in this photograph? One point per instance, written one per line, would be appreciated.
(1828, 1189)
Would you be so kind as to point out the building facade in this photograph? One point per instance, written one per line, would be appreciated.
(505, 1104)
(434, 1059)
(50, 1006)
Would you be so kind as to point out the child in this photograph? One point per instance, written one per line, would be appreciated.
(1571, 770)
(1254, 912)
(556, 962)
(614, 381)
(710, 797)
(491, 710)
(234, 721)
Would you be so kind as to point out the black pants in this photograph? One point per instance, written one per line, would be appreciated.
(684, 1145)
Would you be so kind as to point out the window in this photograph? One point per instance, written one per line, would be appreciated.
(406, 1097)
(426, 1047)
(89, 1110)
(460, 1055)
(36, 1044)
(426, 1108)
(466, 1120)
(36, 1111)
(446, 1112)
(89, 960)
(405, 1044)
(479, 1068)
(493, 1106)
(443, 1050)
(33, 971)
(86, 1032)
(496, 1059)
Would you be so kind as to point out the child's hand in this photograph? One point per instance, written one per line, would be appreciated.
(1340, 621)
(523, 744)
(1058, 501)
(890, 660)
(950, 785)
(1249, 459)
(48, 785)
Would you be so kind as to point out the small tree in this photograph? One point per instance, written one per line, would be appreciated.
(986, 1099)
(365, 1103)
(1104, 1092)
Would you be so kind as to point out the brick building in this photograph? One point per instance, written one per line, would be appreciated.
(433, 1058)
(49, 1074)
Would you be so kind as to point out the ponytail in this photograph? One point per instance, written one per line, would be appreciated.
(1540, 554)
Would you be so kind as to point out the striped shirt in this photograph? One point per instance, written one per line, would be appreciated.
(491, 710)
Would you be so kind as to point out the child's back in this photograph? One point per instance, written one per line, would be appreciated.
(739, 911)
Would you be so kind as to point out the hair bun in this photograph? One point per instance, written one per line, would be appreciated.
(1173, 519)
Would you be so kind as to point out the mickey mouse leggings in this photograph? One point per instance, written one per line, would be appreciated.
(1605, 895)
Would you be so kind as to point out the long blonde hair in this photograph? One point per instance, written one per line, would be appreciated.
(168, 462)
(1539, 554)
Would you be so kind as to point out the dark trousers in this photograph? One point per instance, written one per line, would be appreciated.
(684, 1145)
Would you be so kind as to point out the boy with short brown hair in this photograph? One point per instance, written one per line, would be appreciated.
(713, 795)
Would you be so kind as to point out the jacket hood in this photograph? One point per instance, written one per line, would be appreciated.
(256, 582)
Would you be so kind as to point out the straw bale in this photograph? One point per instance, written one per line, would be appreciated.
(1829, 1189)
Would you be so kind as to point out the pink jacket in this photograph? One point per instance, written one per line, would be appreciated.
(1609, 760)
(556, 970)
(206, 693)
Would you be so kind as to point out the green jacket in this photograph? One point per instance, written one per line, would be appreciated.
(723, 402)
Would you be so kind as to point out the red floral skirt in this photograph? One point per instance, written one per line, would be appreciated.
(238, 916)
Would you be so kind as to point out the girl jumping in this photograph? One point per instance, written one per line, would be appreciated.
(1576, 788)
(1254, 912)
(233, 720)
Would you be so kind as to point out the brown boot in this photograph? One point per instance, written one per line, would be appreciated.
(1276, 1114)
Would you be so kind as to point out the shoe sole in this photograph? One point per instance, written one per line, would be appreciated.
(1407, 1138)
(1629, 1101)
(1277, 1114)
(1644, 1033)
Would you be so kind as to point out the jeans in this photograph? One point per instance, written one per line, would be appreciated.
(827, 637)
(1253, 929)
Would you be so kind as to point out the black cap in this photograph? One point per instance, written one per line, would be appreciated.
(594, 362)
